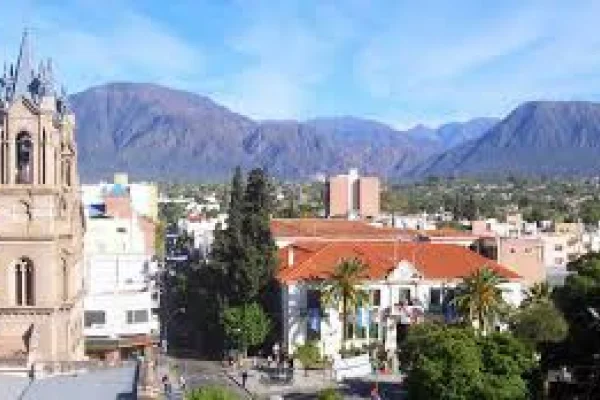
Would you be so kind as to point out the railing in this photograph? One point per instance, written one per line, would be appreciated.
(65, 367)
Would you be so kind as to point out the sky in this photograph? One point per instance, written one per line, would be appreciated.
(399, 62)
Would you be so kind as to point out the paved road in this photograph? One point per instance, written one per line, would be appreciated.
(200, 373)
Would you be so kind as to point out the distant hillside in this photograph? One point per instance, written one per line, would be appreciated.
(537, 138)
(452, 134)
(154, 132)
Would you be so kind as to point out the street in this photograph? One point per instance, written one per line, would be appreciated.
(200, 373)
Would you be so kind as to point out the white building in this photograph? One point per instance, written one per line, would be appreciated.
(422, 274)
(143, 196)
(202, 230)
(121, 301)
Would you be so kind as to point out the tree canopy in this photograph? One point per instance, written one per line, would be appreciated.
(451, 362)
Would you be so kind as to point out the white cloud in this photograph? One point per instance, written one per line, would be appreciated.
(124, 45)
(487, 67)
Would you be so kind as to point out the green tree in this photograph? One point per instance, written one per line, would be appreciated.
(342, 289)
(579, 301)
(246, 326)
(211, 393)
(228, 253)
(539, 293)
(309, 355)
(480, 299)
(444, 363)
(260, 246)
(507, 363)
(450, 362)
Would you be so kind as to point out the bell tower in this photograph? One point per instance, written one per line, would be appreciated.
(41, 218)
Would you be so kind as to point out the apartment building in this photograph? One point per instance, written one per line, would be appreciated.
(121, 302)
(352, 196)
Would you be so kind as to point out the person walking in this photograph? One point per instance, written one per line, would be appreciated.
(244, 378)
(182, 383)
(375, 394)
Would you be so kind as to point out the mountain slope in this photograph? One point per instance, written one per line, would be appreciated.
(154, 132)
(537, 138)
(452, 134)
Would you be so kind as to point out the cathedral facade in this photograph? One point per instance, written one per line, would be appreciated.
(41, 218)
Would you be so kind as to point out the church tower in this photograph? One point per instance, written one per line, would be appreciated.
(41, 218)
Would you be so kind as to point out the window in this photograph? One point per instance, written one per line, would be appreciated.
(374, 330)
(313, 307)
(435, 297)
(558, 261)
(24, 158)
(528, 250)
(376, 298)
(558, 247)
(404, 294)
(94, 318)
(122, 230)
(65, 281)
(361, 332)
(512, 250)
(137, 316)
(350, 330)
(24, 282)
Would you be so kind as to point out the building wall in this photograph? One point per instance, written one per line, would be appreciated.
(524, 256)
(296, 322)
(369, 196)
(338, 194)
(41, 221)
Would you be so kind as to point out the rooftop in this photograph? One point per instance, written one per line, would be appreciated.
(314, 260)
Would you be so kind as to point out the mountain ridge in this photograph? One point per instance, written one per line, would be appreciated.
(160, 133)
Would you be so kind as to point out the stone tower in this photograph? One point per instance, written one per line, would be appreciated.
(41, 218)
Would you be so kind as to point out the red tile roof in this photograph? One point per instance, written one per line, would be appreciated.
(307, 228)
(314, 260)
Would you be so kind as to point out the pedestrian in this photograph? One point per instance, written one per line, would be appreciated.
(375, 394)
(165, 382)
(244, 378)
(182, 382)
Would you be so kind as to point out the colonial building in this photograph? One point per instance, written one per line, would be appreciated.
(406, 282)
(41, 218)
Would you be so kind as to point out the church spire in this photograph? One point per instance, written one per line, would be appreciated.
(24, 68)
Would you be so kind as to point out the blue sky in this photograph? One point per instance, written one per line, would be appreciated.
(400, 62)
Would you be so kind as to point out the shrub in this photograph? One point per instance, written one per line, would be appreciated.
(329, 394)
(211, 393)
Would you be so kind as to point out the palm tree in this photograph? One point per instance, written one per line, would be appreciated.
(538, 293)
(343, 289)
(480, 297)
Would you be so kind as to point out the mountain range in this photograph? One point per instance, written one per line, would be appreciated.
(158, 133)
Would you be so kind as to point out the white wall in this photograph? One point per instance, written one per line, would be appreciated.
(295, 319)
(116, 307)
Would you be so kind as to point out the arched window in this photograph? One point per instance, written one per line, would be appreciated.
(24, 158)
(24, 282)
(65, 281)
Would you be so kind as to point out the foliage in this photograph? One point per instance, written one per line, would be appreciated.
(479, 298)
(329, 394)
(444, 362)
(343, 289)
(159, 238)
(539, 293)
(538, 323)
(308, 354)
(449, 362)
(211, 393)
(246, 326)
(579, 301)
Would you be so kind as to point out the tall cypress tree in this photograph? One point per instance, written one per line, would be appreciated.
(262, 251)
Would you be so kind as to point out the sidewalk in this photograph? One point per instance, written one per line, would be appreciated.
(314, 382)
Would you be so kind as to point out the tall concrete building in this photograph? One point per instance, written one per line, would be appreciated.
(41, 218)
(352, 196)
